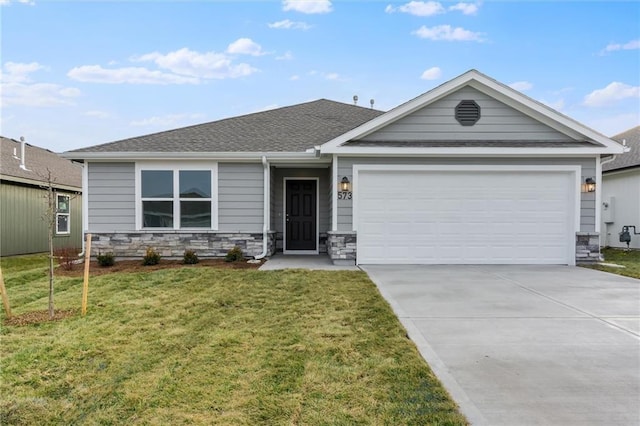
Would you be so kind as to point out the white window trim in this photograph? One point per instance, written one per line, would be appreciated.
(176, 167)
(68, 197)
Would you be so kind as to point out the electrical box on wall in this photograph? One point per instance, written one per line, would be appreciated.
(608, 210)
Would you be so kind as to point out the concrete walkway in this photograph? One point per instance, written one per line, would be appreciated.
(525, 345)
(313, 262)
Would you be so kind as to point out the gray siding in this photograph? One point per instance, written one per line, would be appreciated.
(587, 206)
(436, 122)
(324, 221)
(240, 197)
(111, 197)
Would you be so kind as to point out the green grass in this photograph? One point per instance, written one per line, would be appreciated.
(629, 259)
(214, 346)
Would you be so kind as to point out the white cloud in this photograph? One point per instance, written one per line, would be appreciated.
(522, 86)
(245, 46)
(307, 6)
(289, 25)
(447, 33)
(433, 73)
(9, 2)
(38, 94)
(332, 76)
(170, 120)
(186, 62)
(294, 77)
(287, 56)
(614, 92)
(19, 72)
(465, 8)
(18, 89)
(418, 8)
(130, 75)
(97, 114)
(632, 45)
(613, 125)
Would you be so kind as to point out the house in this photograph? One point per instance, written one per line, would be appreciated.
(621, 192)
(24, 172)
(470, 172)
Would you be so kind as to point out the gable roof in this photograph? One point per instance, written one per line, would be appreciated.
(37, 162)
(295, 128)
(595, 142)
(629, 159)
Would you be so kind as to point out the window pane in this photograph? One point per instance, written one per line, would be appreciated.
(157, 214)
(62, 224)
(157, 184)
(195, 184)
(195, 214)
(63, 204)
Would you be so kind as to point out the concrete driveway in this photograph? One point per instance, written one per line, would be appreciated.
(525, 345)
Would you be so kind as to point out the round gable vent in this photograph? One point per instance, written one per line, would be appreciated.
(467, 113)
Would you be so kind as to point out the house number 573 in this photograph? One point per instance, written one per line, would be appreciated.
(345, 195)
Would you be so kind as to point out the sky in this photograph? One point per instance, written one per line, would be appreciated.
(80, 73)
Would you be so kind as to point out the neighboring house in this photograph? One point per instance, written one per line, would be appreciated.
(470, 172)
(24, 171)
(621, 192)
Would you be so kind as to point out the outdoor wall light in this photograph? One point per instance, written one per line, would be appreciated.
(589, 185)
(345, 185)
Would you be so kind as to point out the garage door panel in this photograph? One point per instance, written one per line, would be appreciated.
(464, 217)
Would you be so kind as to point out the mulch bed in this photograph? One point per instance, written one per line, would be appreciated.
(137, 266)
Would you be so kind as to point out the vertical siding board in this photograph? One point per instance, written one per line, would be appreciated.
(23, 229)
(587, 200)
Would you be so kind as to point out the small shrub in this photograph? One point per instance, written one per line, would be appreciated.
(152, 257)
(234, 255)
(105, 260)
(67, 257)
(190, 257)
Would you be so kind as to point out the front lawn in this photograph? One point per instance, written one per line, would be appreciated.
(629, 259)
(213, 346)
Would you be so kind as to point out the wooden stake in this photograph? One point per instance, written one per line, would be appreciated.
(5, 296)
(85, 285)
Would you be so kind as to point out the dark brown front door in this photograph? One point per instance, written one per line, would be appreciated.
(301, 215)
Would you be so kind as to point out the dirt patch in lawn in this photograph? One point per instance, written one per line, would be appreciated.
(37, 317)
(137, 266)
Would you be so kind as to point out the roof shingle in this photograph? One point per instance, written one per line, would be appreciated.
(628, 159)
(289, 129)
(37, 162)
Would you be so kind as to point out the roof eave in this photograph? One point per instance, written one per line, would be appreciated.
(467, 151)
(231, 156)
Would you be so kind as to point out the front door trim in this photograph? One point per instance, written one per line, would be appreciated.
(284, 216)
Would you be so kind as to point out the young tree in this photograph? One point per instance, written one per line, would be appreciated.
(50, 219)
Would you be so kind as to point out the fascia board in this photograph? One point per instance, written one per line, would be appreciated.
(229, 156)
(39, 183)
(456, 152)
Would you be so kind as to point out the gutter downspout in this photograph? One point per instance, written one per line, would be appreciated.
(267, 209)
(85, 204)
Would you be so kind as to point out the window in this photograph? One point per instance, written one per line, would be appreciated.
(177, 198)
(62, 214)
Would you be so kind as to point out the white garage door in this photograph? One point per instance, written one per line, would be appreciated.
(465, 217)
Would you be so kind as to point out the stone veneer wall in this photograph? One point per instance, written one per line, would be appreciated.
(587, 247)
(341, 247)
(173, 244)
